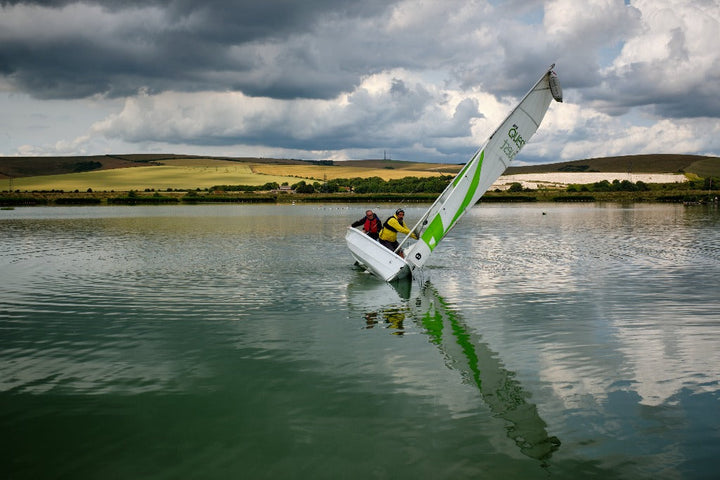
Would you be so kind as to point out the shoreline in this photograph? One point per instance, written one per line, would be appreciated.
(551, 195)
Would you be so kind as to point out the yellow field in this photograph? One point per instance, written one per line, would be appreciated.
(330, 172)
(191, 173)
(174, 174)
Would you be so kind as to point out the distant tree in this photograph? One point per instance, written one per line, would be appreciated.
(711, 183)
(602, 186)
(303, 187)
(332, 186)
(306, 188)
(86, 166)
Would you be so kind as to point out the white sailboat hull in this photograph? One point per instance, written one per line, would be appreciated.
(378, 260)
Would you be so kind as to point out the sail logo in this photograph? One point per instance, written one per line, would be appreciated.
(512, 147)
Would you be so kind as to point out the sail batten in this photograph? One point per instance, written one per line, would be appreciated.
(537, 124)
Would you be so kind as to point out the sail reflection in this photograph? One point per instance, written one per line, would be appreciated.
(465, 352)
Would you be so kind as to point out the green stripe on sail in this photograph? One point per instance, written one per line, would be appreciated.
(459, 176)
(471, 190)
(435, 230)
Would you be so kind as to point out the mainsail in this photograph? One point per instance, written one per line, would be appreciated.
(485, 167)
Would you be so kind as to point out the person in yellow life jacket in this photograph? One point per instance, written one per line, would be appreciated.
(391, 227)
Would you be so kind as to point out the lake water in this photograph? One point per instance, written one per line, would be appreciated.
(544, 341)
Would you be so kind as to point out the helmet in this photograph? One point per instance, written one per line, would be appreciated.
(399, 210)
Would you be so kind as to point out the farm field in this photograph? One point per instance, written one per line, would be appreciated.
(353, 169)
(191, 173)
(172, 174)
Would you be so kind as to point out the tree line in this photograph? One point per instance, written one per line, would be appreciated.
(437, 184)
(709, 183)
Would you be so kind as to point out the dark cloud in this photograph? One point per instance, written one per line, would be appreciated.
(659, 89)
(188, 46)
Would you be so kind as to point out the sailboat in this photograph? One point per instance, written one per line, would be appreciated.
(483, 169)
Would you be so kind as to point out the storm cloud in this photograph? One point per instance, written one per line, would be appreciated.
(345, 79)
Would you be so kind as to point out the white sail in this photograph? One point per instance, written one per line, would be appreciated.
(485, 167)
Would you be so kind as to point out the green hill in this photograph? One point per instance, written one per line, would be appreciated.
(18, 167)
(701, 166)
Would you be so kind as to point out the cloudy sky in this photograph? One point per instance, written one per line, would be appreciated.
(414, 80)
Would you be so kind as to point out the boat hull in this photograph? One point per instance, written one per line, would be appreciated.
(378, 260)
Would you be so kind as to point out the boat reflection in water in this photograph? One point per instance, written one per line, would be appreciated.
(465, 352)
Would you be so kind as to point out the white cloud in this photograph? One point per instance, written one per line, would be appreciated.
(591, 23)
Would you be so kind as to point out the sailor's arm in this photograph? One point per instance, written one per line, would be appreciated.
(393, 222)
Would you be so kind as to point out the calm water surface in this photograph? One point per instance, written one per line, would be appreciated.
(544, 341)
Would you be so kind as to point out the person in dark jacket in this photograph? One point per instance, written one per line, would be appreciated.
(371, 224)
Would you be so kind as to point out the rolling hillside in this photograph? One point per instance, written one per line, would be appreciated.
(18, 167)
(170, 171)
(658, 163)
